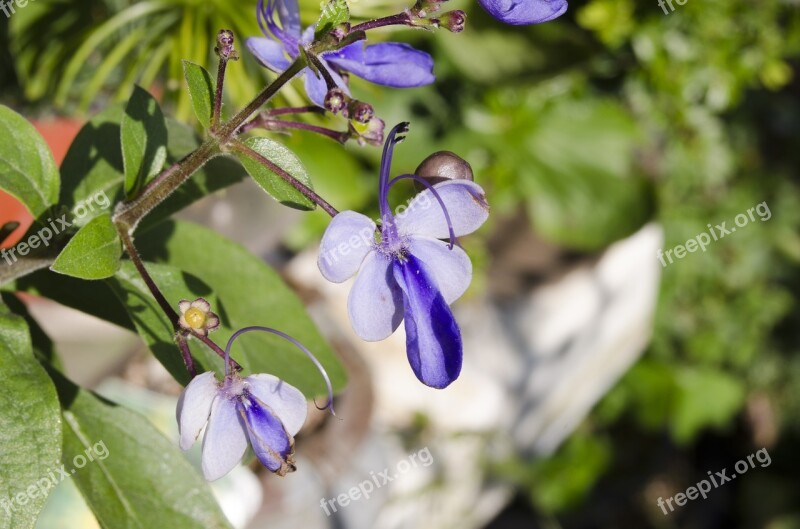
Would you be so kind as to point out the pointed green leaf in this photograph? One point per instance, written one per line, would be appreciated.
(201, 91)
(335, 12)
(136, 477)
(144, 140)
(93, 253)
(273, 184)
(30, 426)
(27, 168)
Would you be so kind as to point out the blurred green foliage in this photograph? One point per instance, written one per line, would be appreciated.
(612, 116)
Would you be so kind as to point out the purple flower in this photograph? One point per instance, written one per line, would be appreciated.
(260, 409)
(387, 63)
(407, 273)
(524, 12)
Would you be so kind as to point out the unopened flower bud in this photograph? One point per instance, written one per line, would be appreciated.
(336, 100)
(442, 166)
(424, 7)
(371, 133)
(453, 21)
(225, 48)
(360, 112)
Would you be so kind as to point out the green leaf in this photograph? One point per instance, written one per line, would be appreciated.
(201, 91)
(27, 168)
(144, 140)
(273, 184)
(93, 253)
(30, 426)
(136, 478)
(250, 293)
(334, 13)
(93, 166)
(151, 322)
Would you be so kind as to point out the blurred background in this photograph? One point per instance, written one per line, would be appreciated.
(597, 379)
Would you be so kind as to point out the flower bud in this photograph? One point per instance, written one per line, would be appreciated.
(424, 7)
(360, 112)
(371, 133)
(442, 166)
(225, 48)
(336, 100)
(453, 21)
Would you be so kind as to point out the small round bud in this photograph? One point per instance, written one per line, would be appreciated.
(442, 166)
(453, 21)
(225, 45)
(360, 112)
(336, 100)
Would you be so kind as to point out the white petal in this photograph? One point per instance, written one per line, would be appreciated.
(184, 305)
(451, 269)
(287, 403)
(194, 407)
(348, 239)
(225, 441)
(465, 202)
(375, 303)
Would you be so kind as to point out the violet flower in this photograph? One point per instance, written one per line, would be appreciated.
(260, 409)
(524, 12)
(408, 274)
(387, 63)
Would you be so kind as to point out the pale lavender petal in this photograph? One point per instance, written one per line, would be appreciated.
(450, 269)
(387, 63)
(317, 88)
(194, 407)
(375, 303)
(286, 402)
(433, 339)
(271, 443)
(269, 53)
(345, 244)
(524, 12)
(465, 202)
(225, 441)
(184, 305)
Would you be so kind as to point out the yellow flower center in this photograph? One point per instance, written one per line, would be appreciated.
(195, 317)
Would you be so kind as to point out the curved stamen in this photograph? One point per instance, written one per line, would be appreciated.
(392, 139)
(453, 238)
(297, 344)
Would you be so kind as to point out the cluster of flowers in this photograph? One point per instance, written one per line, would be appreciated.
(406, 274)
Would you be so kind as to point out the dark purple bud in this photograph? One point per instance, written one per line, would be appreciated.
(225, 45)
(453, 21)
(360, 112)
(336, 100)
(442, 166)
